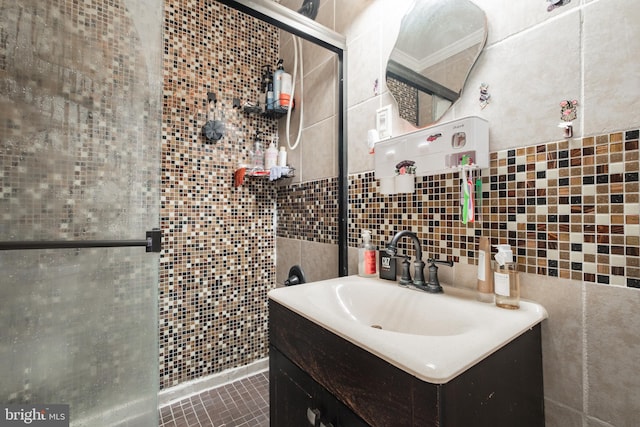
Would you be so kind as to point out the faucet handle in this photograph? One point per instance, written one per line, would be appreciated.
(405, 277)
(433, 261)
(433, 285)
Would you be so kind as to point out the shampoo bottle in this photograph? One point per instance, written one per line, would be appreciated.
(367, 254)
(485, 275)
(267, 88)
(285, 91)
(277, 83)
(506, 279)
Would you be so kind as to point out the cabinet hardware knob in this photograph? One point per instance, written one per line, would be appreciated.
(313, 416)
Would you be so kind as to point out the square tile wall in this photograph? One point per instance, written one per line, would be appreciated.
(309, 211)
(570, 209)
(218, 256)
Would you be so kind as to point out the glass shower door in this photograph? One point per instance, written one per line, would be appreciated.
(80, 108)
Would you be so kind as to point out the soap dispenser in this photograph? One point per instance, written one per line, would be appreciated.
(367, 254)
(506, 279)
(258, 156)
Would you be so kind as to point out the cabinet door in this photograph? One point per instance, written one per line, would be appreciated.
(296, 400)
(289, 397)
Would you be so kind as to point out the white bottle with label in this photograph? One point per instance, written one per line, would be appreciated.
(367, 256)
(270, 156)
(282, 157)
(506, 279)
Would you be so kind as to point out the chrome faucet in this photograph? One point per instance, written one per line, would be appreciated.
(392, 249)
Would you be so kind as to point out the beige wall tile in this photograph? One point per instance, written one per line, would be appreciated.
(613, 345)
(560, 416)
(319, 151)
(319, 261)
(562, 344)
(528, 76)
(611, 76)
(288, 254)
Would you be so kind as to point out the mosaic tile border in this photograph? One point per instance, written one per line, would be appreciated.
(570, 209)
(309, 211)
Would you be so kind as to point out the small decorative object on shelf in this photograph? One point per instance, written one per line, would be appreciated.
(406, 167)
(485, 97)
(553, 4)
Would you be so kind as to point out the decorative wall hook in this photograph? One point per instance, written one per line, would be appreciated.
(556, 3)
(568, 113)
(568, 110)
(484, 95)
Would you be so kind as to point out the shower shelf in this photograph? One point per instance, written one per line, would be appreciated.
(241, 173)
(274, 114)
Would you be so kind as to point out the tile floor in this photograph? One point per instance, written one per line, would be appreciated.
(243, 403)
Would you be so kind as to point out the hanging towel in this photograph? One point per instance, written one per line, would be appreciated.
(277, 172)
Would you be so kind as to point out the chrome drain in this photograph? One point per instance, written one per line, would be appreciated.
(376, 326)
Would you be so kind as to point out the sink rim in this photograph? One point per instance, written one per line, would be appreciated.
(414, 353)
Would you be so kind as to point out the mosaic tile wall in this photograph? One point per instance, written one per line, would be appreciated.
(80, 120)
(217, 262)
(309, 211)
(407, 99)
(570, 210)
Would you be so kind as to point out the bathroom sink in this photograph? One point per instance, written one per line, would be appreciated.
(434, 337)
(390, 308)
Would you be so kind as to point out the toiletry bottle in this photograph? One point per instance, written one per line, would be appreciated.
(258, 157)
(270, 156)
(282, 157)
(506, 279)
(485, 275)
(277, 83)
(269, 101)
(285, 90)
(367, 254)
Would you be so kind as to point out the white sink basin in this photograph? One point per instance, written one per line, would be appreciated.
(432, 336)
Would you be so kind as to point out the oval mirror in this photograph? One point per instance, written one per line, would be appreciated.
(438, 43)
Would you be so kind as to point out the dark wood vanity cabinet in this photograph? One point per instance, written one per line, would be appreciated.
(311, 368)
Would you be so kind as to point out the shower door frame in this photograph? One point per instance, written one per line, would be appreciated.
(308, 29)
